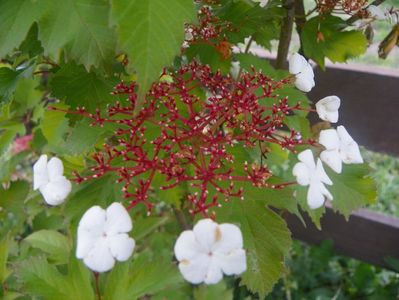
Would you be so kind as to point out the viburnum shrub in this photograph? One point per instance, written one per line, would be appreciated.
(166, 150)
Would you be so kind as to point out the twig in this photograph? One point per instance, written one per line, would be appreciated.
(97, 285)
(285, 34)
(181, 219)
(248, 46)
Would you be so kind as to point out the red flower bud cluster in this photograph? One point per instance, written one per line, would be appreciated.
(189, 132)
(350, 7)
(209, 30)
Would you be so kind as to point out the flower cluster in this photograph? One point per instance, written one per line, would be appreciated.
(182, 138)
(339, 146)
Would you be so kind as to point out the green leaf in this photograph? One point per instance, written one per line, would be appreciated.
(209, 55)
(44, 280)
(248, 20)
(151, 33)
(31, 45)
(84, 137)
(78, 87)
(352, 189)
(81, 26)
(79, 278)
(52, 242)
(280, 199)
(314, 214)
(27, 95)
(16, 17)
(266, 239)
(300, 124)
(6, 139)
(210, 292)
(8, 83)
(337, 45)
(101, 191)
(145, 225)
(144, 276)
(247, 61)
(12, 198)
(4, 247)
(54, 125)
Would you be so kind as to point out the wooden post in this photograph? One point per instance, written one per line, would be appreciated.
(368, 236)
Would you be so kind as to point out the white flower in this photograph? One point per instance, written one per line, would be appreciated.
(209, 250)
(303, 72)
(340, 147)
(235, 69)
(49, 179)
(102, 237)
(262, 3)
(376, 12)
(327, 108)
(308, 173)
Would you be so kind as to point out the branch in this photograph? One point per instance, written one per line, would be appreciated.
(300, 20)
(285, 34)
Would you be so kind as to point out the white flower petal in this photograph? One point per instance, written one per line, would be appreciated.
(307, 158)
(344, 135)
(333, 159)
(327, 108)
(40, 173)
(329, 139)
(297, 63)
(86, 240)
(99, 258)
(321, 173)
(56, 191)
(93, 221)
(302, 174)
(121, 246)
(55, 168)
(303, 72)
(205, 234)
(308, 73)
(195, 270)
(233, 263)
(351, 154)
(186, 246)
(326, 192)
(303, 83)
(315, 197)
(235, 69)
(214, 274)
(228, 238)
(349, 150)
(117, 219)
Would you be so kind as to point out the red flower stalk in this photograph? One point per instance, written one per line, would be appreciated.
(180, 138)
